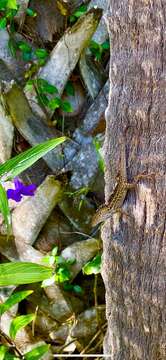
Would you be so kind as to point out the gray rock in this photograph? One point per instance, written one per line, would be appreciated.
(30, 216)
(20, 16)
(82, 252)
(66, 53)
(96, 110)
(15, 65)
(92, 74)
(6, 133)
(101, 33)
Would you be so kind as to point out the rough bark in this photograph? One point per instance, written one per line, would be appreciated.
(134, 252)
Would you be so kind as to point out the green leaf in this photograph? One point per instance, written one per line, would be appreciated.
(59, 260)
(20, 322)
(50, 260)
(29, 85)
(41, 53)
(37, 352)
(4, 208)
(21, 162)
(31, 12)
(105, 45)
(44, 86)
(12, 45)
(72, 18)
(80, 11)
(14, 299)
(69, 88)
(93, 266)
(42, 99)
(11, 357)
(3, 350)
(77, 289)
(12, 4)
(54, 251)
(66, 106)
(23, 46)
(3, 23)
(68, 287)
(94, 45)
(3, 4)
(62, 275)
(27, 56)
(100, 159)
(23, 273)
(54, 103)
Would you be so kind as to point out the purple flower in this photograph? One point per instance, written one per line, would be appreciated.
(20, 190)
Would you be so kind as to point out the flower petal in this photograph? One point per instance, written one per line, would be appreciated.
(28, 190)
(14, 195)
(18, 184)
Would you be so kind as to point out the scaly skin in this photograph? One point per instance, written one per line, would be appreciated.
(118, 196)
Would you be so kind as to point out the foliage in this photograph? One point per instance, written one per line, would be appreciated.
(61, 268)
(14, 299)
(4, 208)
(93, 266)
(21, 162)
(43, 90)
(18, 164)
(97, 145)
(8, 9)
(37, 352)
(17, 324)
(79, 194)
(78, 13)
(17, 273)
(69, 88)
(31, 12)
(98, 50)
(20, 322)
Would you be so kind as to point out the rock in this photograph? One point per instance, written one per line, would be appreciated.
(54, 304)
(57, 231)
(27, 220)
(79, 218)
(66, 53)
(84, 164)
(24, 340)
(30, 216)
(61, 300)
(6, 133)
(21, 14)
(60, 335)
(82, 252)
(77, 100)
(71, 5)
(52, 20)
(86, 324)
(95, 113)
(101, 33)
(34, 130)
(44, 324)
(15, 64)
(92, 74)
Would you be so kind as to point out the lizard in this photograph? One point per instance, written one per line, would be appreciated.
(118, 195)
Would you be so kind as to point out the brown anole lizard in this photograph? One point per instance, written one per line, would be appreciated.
(118, 195)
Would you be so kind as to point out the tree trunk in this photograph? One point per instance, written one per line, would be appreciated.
(134, 254)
